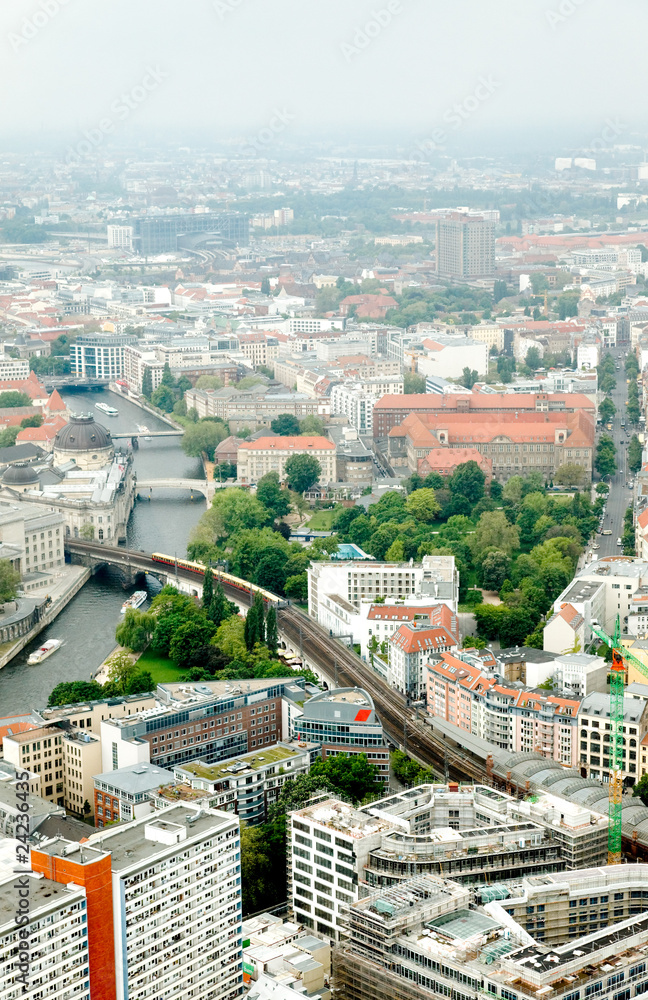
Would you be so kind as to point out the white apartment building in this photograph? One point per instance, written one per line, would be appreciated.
(136, 360)
(13, 369)
(120, 237)
(587, 355)
(446, 355)
(99, 355)
(56, 929)
(356, 400)
(164, 908)
(621, 576)
(266, 454)
(435, 578)
(330, 843)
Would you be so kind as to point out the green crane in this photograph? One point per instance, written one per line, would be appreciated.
(620, 656)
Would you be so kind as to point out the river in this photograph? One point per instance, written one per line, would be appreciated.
(87, 624)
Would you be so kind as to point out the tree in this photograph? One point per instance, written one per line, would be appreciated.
(469, 377)
(257, 864)
(271, 571)
(285, 424)
(203, 438)
(9, 581)
(607, 409)
(71, 692)
(220, 609)
(272, 638)
(167, 377)
(87, 532)
(209, 382)
(634, 454)
(311, 425)
(254, 629)
(190, 637)
(533, 359)
(494, 532)
(136, 630)
(164, 398)
(499, 291)
(570, 474)
(538, 282)
(396, 551)
(413, 383)
(640, 789)
(127, 676)
(270, 494)
(468, 480)
(302, 472)
(351, 774)
(232, 511)
(605, 462)
(296, 587)
(8, 436)
(14, 398)
(495, 568)
(423, 505)
(265, 290)
(35, 421)
(208, 588)
(230, 637)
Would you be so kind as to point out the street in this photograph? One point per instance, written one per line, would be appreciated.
(620, 496)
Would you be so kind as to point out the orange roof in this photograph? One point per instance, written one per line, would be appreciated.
(14, 728)
(573, 617)
(642, 520)
(286, 443)
(55, 402)
(411, 638)
(431, 402)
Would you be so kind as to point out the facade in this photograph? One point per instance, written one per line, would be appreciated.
(595, 729)
(227, 719)
(356, 400)
(259, 348)
(465, 246)
(13, 369)
(99, 355)
(583, 932)
(124, 794)
(65, 761)
(120, 237)
(57, 943)
(344, 720)
(163, 904)
(435, 578)
(83, 442)
(409, 649)
(270, 454)
(564, 631)
(163, 233)
(253, 408)
(35, 535)
(247, 785)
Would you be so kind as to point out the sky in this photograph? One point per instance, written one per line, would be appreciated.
(261, 70)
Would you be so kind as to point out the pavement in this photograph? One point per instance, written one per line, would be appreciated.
(620, 497)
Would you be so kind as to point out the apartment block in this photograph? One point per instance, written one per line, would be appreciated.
(163, 904)
(213, 720)
(125, 794)
(344, 721)
(54, 937)
(13, 369)
(435, 578)
(99, 355)
(465, 246)
(270, 454)
(259, 348)
(409, 649)
(356, 400)
(120, 237)
(250, 784)
(595, 736)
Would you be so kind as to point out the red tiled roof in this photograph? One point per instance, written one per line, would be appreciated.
(317, 443)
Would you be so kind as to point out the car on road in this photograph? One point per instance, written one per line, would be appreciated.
(619, 542)
(595, 545)
(606, 532)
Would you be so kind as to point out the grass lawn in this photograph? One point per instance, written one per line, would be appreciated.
(162, 669)
(322, 520)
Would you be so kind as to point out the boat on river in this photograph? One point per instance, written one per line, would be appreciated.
(45, 650)
(134, 601)
(109, 410)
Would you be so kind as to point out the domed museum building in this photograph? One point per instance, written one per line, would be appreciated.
(84, 442)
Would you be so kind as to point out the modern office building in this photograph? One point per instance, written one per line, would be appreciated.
(163, 904)
(465, 246)
(344, 720)
(125, 794)
(99, 355)
(120, 237)
(573, 934)
(166, 233)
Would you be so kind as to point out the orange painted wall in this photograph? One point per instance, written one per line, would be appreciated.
(96, 877)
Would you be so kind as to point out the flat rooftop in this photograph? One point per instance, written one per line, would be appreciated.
(339, 816)
(460, 925)
(43, 894)
(244, 764)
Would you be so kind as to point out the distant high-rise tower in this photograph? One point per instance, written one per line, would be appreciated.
(465, 246)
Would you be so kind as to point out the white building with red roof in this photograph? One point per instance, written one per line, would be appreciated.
(409, 649)
(565, 631)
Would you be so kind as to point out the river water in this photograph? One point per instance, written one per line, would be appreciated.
(88, 623)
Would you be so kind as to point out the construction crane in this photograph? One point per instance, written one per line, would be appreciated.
(620, 656)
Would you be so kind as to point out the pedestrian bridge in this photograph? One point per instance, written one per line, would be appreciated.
(192, 485)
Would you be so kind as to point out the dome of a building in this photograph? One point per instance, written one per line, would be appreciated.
(20, 474)
(82, 434)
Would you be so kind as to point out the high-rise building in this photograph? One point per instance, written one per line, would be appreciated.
(99, 355)
(465, 246)
(163, 905)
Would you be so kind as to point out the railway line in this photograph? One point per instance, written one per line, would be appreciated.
(399, 720)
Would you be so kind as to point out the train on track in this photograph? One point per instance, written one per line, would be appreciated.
(243, 586)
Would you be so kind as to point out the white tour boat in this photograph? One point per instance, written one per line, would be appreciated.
(45, 650)
(110, 410)
(134, 601)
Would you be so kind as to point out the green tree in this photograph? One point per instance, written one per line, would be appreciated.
(351, 774)
(136, 630)
(272, 637)
(271, 571)
(469, 377)
(87, 532)
(209, 382)
(538, 282)
(189, 638)
(413, 383)
(164, 398)
(123, 671)
(208, 588)
(230, 637)
(494, 532)
(71, 692)
(570, 474)
(167, 377)
(499, 291)
(533, 359)
(640, 789)
(311, 425)
(285, 424)
(220, 609)
(270, 494)
(8, 436)
(35, 421)
(423, 505)
(13, 398)
(495, 568)
(607, 410)
(265, 290)
(203, 438)
(9, 581)
(605, 461)
(396, 551)
(233, 510)
(296, 587)
(468, 480)
(634, 454)
(257, 864)
(302, 472)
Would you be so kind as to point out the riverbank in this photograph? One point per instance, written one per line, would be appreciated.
(72, 579)
(143, 405)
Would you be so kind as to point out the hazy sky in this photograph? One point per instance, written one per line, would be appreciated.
(230, 66)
